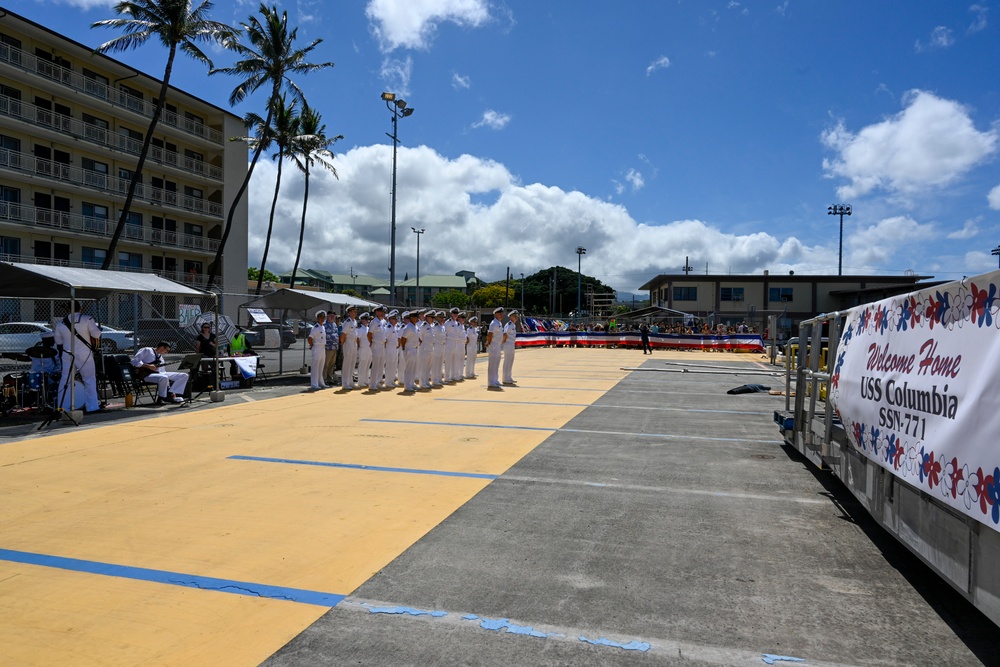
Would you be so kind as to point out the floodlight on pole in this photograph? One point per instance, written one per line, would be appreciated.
(841, 210)
(398, 109)
(580, 252)
(419, 233)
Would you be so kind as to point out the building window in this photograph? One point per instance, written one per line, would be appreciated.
(193, 192)
(93, 256)
(731, 294)
(778, 294)
(193, 230)
(130, 260)
(94, 211)
(95, 84)
(685, 294)
(10, 248)
(10, 143)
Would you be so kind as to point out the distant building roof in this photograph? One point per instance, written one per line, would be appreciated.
(440, 282)
(336, 278)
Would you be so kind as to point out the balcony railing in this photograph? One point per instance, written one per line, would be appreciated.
(60, 171)
(35, 115)
(46, 218)
(29, 63)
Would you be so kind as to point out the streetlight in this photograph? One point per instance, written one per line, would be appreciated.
(419, 233)
(996, 252)
(398, 108)
(580, 252)
(522, 295)
(841, 210)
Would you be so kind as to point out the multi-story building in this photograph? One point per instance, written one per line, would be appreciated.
(72, 125)
(731, 299)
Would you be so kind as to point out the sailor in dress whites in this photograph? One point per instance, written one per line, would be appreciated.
(317, 345)
(77, 347)
(349, 344)
(426, 349)
(509, 338)
(437, 364)
(409, 342)
(454, 347)
(494, 342)
(377, 336)
(392, 349)
(364, 350)
(471, 347)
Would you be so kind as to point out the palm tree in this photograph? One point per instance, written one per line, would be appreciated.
(312, 146)
(177, 25)
(283, 133)
(270, 59)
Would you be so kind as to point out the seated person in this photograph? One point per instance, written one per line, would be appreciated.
(50, 363)
(149, 364)
(239, 345)
(205, 343)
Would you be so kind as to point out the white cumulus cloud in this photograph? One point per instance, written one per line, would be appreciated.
(411, 23)
(941, 38)
(635, 179)
(994, 198)
(968, 230)
(662, 62)
(931, 143)
(460, 82)
(493, 120)
(979, 21)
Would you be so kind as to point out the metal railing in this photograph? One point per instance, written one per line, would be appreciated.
(67, 173)
(36, 115)
(29, 63)
(73, 222)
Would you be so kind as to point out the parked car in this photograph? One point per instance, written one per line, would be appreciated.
(255, 335)
(19, 336)
(116, 340)
(154, 329)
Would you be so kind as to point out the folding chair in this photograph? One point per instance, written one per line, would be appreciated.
(130, 381)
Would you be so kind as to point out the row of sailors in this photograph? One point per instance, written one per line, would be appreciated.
(429, 348)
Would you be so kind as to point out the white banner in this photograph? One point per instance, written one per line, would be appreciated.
(917, 386)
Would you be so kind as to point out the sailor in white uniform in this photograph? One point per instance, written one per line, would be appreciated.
(364, 350)
(454, 347)
(409, 344)
(426, 348)
(509, 338)
(317, 344)
(494, 343)
(392, 349)
(437, 363)
(377, 337)
(471, 347)
(349, 344)
(149, 364)
(77, 347)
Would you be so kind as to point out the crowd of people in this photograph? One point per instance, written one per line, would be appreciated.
(416, 350)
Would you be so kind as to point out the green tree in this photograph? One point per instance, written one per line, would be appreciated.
(253, 273)
(351, 292)
(311, 147)
(450, 298)
(538, 289)
(177, 25)
(282, 132)
(270, 60)
(493, 295)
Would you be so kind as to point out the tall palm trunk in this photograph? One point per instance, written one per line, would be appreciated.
(302, 227)
(270, 222)
(137, 174)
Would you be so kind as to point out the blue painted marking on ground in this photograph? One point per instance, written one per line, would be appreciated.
(634, 645)
(174, 578)
(770, 659)
(423, 423)
(406, 610)
(358, 466)
(486, 400)
(498, 624)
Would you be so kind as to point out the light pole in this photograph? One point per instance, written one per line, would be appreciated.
(398, 108)
(580, 252)
(522, 295)
(996, 252)
(841, 210)
(419, 233)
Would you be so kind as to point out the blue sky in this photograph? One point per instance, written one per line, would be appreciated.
(646, 131)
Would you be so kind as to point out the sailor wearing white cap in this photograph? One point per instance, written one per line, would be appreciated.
(437, 363)
(409, 344)
(349, 343)
(471, 347)
(424, 345)
(317, 343)
(377, 339)
(494, 341)
(509, 337)
(364, 350)
(454, 347)
(392, 349)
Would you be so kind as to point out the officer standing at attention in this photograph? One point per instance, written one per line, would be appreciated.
(424, 348)
(77, 336)
(454, 347)
(392, 349)
(437, 365)
(409, 346)
(509, 340)
(377, 337)
(332, 347)
(349, 343)
(364, 350)
(471, 347)
(494, 342)
(317, 343)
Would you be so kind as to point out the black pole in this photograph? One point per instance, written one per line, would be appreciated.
(841, 210)
(392, 234)
(506, 291)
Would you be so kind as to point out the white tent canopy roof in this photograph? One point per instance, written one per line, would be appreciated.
(60, 282)
(305, 300)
